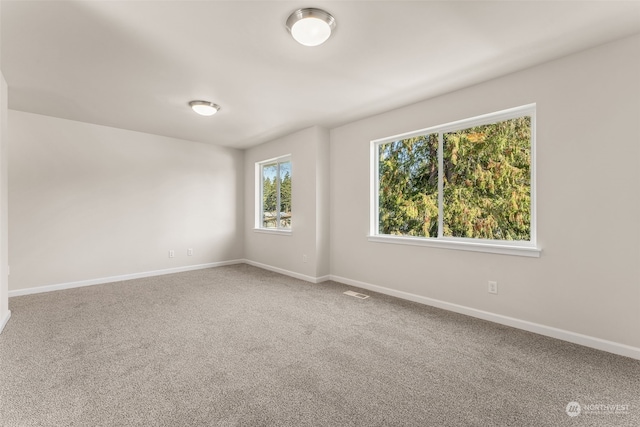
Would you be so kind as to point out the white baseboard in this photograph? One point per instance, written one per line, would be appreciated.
(561, 334)
(323, 278)
(287, 272)
(111, 279)
(4, 320)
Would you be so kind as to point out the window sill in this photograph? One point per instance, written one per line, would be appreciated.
(273, 231)
(494, 248)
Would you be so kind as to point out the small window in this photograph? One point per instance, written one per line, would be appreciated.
(467, 184)
(274, 194)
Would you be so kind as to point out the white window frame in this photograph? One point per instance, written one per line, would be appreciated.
(506, 247)
(258, 227)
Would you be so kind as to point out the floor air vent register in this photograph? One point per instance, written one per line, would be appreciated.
(356, 295)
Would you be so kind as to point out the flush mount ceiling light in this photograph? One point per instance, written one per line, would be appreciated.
(311, 27)
(204, 108)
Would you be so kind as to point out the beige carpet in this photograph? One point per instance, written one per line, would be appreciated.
(240, 346)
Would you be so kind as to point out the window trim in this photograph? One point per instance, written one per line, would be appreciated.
(259, 195)
(507, 247)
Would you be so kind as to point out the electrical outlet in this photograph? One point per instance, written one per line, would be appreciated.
(493, 287)
(172, 253)
(190, 252)
(305, 258)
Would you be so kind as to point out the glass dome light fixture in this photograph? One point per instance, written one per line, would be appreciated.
(310, 26)
(204, 108)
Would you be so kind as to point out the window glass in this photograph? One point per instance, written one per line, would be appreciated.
(273, 193)
(408, 186)
(487, 181)
(471, 179)
(269, 195)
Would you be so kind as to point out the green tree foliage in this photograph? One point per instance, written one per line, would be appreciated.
(408, 177)
(486, 183)
(269, 195)
(285, 194)
(270, 188)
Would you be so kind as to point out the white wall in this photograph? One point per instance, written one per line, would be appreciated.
(310, 220)
(90, 202)
(587, 280)
(4, 198)
(4, 178)
(323, 202)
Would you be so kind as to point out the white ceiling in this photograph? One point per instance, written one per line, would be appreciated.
(136, 64)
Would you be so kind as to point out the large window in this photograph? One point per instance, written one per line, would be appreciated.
(274, 194)
(467, 185)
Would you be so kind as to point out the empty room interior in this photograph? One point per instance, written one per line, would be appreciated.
(340, 213)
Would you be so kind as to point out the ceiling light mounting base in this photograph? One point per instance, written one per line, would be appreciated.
(204, 108)
(311, 26)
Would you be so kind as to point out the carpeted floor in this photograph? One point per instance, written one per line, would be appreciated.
(240, 346)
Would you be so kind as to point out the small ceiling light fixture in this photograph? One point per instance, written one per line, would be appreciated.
(204, 108)
(311, 27)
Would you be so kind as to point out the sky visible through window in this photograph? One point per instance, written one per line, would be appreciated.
(270, 171)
